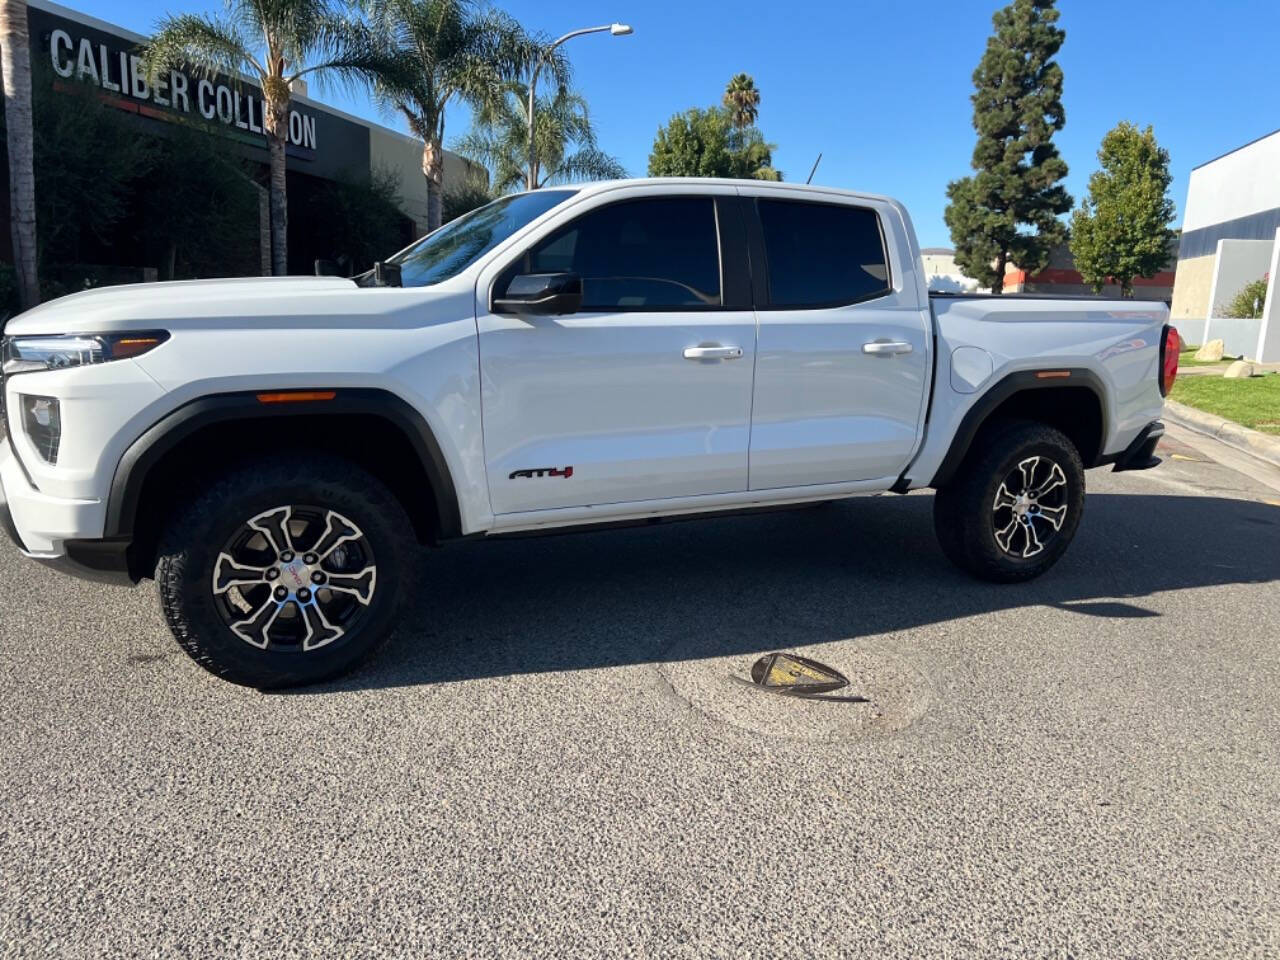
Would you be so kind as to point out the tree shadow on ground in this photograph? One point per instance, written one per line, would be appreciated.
(772, 581)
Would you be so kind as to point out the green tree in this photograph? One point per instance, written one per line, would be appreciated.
(87, 158)
(1121, 230)
(15, 72)
(1248, 303)
(453, 51)
(704, 143)
(1007, 212)
(356, 220)
(566, 141)
(203, 222)
(277, 42)
(471, 194)
(742, 100)
(113, 188)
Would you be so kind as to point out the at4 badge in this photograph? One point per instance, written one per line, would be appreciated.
(565, 472)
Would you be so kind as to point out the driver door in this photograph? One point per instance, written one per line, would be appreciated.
(642, 394)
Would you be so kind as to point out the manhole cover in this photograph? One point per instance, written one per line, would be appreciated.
(788, 694)
(795, 676)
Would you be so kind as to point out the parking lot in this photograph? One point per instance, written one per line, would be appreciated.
(554, 758)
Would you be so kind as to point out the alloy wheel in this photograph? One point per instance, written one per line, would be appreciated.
(294, 578)
(1030, 507)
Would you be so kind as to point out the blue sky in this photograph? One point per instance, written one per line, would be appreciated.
(882, 89)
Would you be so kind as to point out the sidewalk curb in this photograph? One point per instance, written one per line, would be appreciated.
(1252, 442)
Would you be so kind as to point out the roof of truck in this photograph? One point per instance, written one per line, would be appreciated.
(600, 186)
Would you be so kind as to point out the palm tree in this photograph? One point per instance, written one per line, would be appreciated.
(742, 100)
(753, 155)
(566, 147)
(453, 50)
(15, 56)
(276, 42)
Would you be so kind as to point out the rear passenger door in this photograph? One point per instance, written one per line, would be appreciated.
(843, 344)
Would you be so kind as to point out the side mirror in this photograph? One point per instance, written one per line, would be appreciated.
(545, 294)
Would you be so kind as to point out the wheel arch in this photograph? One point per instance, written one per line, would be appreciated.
(395, 443)
(1055, 400)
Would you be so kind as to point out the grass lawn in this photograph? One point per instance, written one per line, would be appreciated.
(1254, 402)
(1187, 358)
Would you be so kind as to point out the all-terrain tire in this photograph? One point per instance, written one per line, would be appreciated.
(975, 532)
(192, 547)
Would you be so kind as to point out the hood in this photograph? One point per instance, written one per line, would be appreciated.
(130, 306)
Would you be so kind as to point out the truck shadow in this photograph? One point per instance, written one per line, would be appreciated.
(750, 584)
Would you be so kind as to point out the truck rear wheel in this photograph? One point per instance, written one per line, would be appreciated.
(284, 572)
(1014, 506)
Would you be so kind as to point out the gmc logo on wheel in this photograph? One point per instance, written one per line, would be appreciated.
(565, 472)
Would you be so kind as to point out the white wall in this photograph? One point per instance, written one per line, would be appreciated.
(1191, 330)
(944, 275)
(1237, 185)
(1268, 349)
(1238, 263)
(1239, 336)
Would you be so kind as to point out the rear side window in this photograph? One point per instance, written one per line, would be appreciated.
(638, 255)
(822, 254)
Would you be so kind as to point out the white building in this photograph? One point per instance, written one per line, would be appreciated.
(1230, 238)
(944, 275)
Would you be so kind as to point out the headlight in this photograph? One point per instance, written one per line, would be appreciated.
(29, 354)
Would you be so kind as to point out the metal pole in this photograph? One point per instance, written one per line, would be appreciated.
(617, 29)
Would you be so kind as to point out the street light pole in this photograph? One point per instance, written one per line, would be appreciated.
(616, 29)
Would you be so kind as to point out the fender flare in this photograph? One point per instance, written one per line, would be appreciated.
(164, 435)
(977, 415)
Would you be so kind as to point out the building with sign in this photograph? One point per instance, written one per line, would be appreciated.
(75, 53)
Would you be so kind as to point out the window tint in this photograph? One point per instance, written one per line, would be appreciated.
(822, 254)
(637, 254)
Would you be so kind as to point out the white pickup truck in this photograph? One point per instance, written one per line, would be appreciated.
(271, 450)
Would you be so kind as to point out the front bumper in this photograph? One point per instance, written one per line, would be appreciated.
(52, 530)
(6, 521)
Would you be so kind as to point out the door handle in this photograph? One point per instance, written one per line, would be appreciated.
(712, 351)
(886, 348)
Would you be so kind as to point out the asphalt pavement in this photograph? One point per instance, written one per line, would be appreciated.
(558, 756)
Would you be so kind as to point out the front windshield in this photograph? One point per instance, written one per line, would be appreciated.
(455, 246)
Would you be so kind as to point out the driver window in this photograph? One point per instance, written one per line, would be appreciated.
(648, 254)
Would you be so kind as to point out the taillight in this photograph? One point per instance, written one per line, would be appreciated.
(1169, 348)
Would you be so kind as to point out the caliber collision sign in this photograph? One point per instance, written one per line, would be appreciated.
(116, 69)
(75, 53)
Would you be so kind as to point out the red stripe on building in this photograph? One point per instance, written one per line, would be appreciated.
(1060, 276)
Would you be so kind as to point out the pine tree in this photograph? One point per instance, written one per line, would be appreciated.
(1007, 212)
(1121, 230)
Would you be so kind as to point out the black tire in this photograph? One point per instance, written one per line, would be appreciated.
(973, 528)
(196, 537)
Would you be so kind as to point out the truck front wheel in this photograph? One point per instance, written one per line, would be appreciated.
(1013, 507)
(288, 571)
